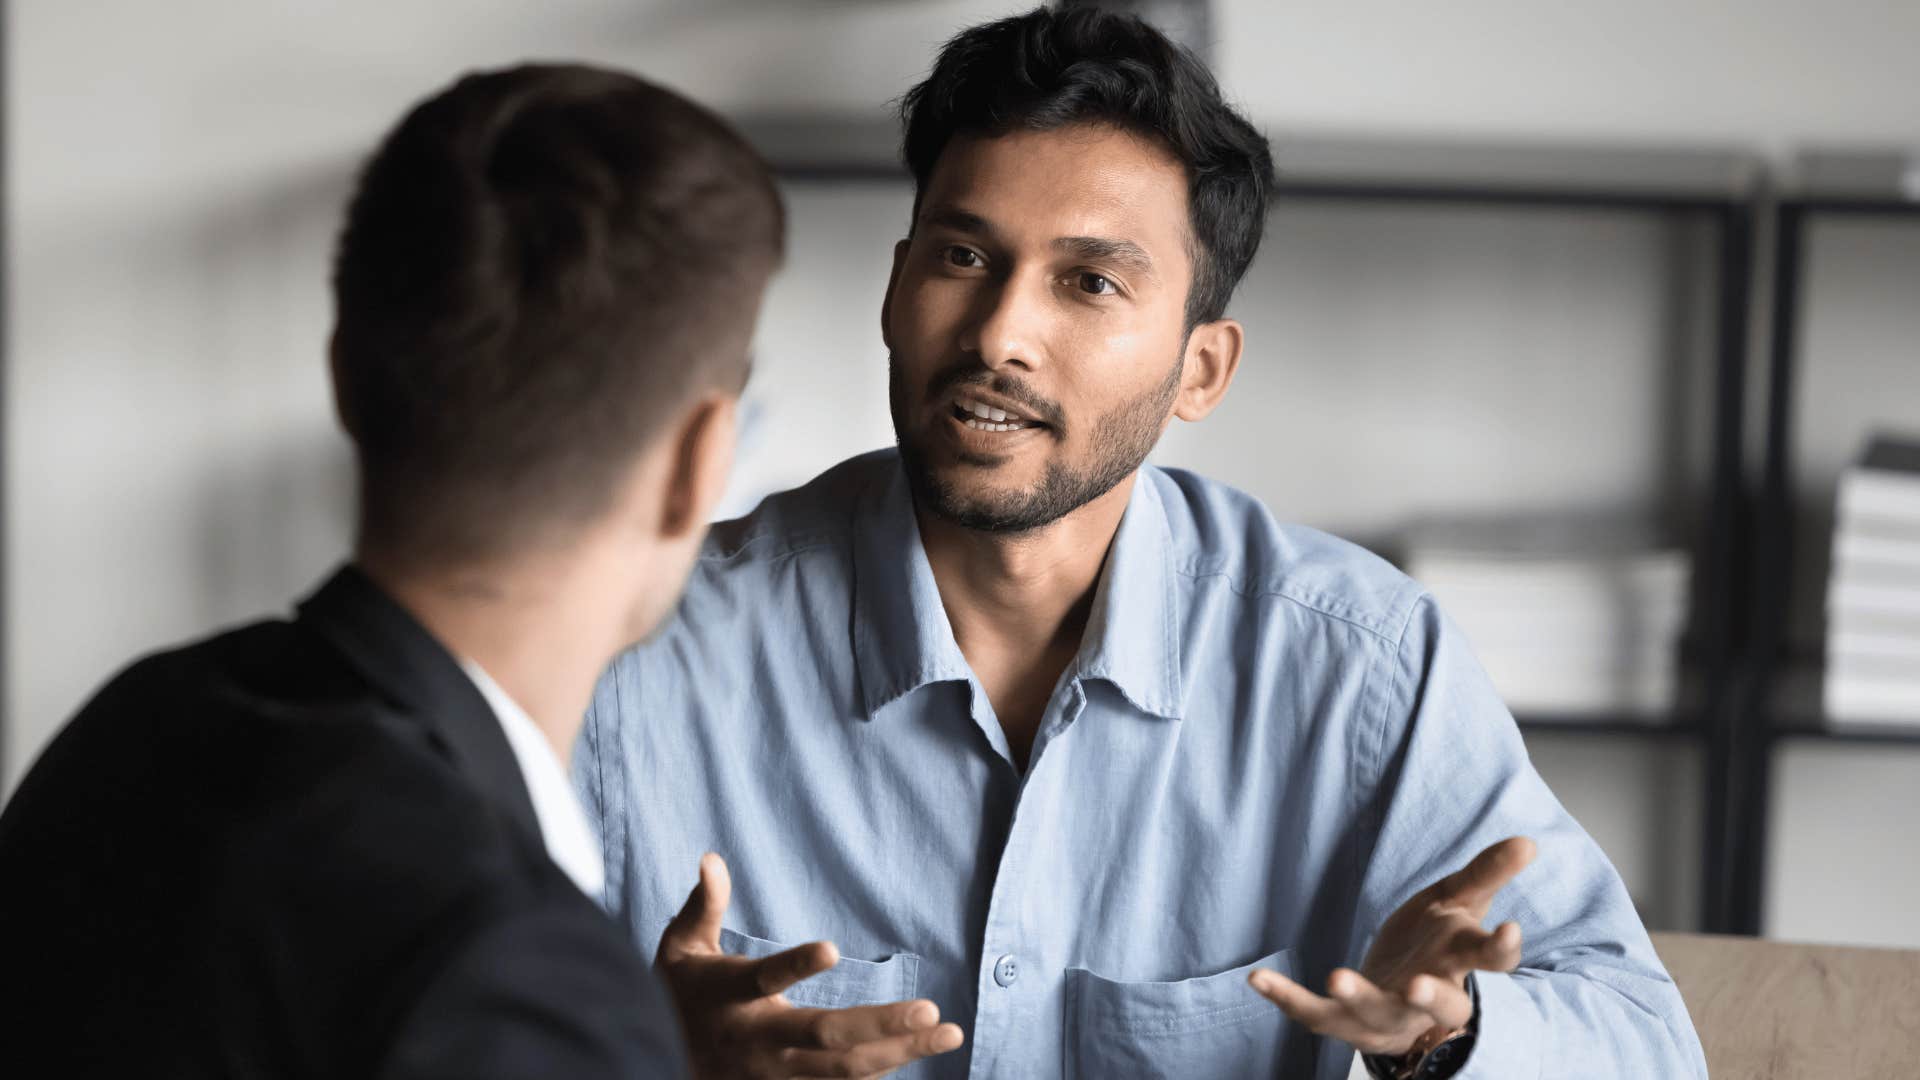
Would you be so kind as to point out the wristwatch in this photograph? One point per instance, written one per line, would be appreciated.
(1432, 1058)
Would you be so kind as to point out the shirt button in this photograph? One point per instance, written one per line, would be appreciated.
(1006, 970)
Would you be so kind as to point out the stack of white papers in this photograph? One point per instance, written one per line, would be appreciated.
(1568, 616)
(1873, 592)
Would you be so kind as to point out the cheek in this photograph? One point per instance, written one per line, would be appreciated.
(926, 306)
(1109, 358)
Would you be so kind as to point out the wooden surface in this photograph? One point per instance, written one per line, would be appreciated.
(1776, 1011)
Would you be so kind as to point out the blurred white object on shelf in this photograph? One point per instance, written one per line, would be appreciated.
(1873, 591)
(1571, 616)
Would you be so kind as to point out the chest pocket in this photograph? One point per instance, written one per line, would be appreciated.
(1213, 1025)
(848, 983)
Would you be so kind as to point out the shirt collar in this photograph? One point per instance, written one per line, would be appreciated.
(903, 641)
(1133, 636)
(563, 822)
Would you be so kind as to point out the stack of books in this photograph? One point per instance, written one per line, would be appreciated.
(1873, 592)
(1571, 616)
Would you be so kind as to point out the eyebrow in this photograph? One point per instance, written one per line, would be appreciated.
(950, 217)
(1123, 253)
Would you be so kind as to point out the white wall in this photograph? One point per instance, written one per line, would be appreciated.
(1763, 72)
(175, 174)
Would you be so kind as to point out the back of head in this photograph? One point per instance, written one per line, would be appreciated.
(1053, 68)
(541, 269)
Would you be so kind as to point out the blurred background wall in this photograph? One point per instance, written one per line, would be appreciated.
(175, 173)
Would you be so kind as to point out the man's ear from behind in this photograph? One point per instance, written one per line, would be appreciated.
(700, 461)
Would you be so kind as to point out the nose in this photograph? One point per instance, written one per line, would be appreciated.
(1007, 326)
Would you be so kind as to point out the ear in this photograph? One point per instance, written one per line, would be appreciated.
(893, 279)
(702, 461)
(1213, 355)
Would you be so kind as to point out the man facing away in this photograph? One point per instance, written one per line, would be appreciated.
(344, 845)
(1076, 747)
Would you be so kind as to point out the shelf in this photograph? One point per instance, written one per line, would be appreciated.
(1684, 725)
(1795, 710)
(1814, 727)
(827, 146)
(865, 146)
(1557, 174)
(1855, 181)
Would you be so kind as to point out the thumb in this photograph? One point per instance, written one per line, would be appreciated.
(697, 927)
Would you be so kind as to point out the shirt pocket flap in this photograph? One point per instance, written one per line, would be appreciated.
(850, 982)
(1211, 1025)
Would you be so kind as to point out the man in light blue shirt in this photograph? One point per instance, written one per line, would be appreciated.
(1096, 758)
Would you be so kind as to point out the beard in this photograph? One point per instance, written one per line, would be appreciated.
(1120, 441)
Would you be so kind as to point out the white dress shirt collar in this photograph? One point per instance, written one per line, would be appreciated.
(563, 822)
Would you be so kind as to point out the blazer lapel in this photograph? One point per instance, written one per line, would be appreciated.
(407, 665)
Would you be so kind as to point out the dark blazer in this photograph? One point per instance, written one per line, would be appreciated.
(304, 849)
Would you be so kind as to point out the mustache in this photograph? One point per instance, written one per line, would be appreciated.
(1007, 386)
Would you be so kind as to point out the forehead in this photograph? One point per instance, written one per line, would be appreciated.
(1083, 180)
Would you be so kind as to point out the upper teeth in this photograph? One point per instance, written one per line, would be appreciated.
(984, 412)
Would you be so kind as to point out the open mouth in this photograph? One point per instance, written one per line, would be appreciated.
(979, 416)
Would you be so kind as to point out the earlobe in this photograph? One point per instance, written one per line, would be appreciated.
(1213, 355)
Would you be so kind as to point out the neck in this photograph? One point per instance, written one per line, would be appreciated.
(540, 630)
(1030, 592)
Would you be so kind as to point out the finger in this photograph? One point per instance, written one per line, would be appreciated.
(697, 927)
(838, 1029)
(874, 1058)
(1383, 1013)
(773, 974)
(1323, 1016)
(1445, 1001)
(1475, 884)
(1298, 1002)
(1470, 948)
(1501, 949)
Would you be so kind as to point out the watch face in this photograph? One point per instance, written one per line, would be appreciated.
(1447, 1058)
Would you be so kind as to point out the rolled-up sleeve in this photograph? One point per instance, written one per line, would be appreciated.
(1450, 777)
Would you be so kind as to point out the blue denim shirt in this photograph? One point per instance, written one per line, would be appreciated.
(1269, 740)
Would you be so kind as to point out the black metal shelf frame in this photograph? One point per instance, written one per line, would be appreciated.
(1853, 186)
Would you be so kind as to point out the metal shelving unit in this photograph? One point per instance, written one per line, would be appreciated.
(1778, 694)
(1719, 187)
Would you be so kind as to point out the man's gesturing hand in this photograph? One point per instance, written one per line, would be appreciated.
(739, 1023)
(1413, 981)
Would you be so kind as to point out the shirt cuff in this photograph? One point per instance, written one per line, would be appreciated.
(1511, 1031)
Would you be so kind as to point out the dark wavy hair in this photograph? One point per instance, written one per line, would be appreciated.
(1050, 68)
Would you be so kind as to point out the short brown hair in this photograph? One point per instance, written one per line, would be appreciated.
(531, 280)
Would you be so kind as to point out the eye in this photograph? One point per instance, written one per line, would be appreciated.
(1095, 284)
(963, 257)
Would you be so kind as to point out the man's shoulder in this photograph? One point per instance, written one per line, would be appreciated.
(288, 764)
(166, 705)
(819, 513)
(267, 664)
(248, 782)
(1224, 537)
